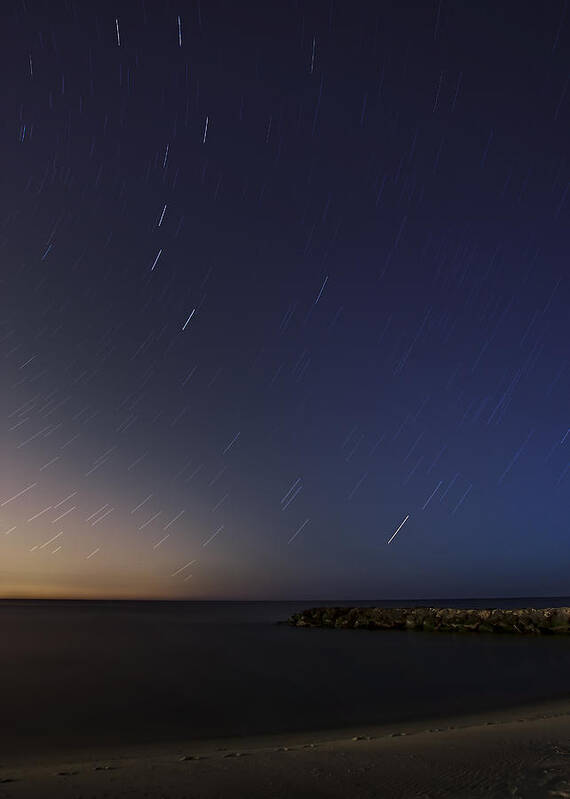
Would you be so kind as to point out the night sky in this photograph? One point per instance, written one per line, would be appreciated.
(278, 280)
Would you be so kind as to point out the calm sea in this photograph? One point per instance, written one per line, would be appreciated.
(78, 673)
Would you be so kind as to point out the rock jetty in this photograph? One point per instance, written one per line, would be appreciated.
(541, 621)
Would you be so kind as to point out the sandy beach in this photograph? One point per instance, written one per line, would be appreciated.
(521, 752)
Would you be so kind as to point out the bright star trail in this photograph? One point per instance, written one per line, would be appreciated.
(398, 529)
(269, 263)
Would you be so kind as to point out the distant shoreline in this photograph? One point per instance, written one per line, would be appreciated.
(426, 601)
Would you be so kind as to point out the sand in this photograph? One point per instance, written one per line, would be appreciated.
(522, 752)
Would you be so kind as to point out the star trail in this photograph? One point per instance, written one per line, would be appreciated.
(274, 278)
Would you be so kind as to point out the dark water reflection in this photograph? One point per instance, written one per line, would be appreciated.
(77, 673)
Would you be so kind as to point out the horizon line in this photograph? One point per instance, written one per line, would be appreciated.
(289, 599)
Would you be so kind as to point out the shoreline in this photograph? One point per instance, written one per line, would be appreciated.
(515, 744)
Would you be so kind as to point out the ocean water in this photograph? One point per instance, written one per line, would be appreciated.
(75, 674)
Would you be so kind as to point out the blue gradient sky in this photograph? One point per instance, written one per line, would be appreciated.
(286, 275)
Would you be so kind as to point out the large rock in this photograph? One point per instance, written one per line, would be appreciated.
(546, 621)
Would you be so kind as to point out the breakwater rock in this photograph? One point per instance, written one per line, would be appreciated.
(541, 621)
